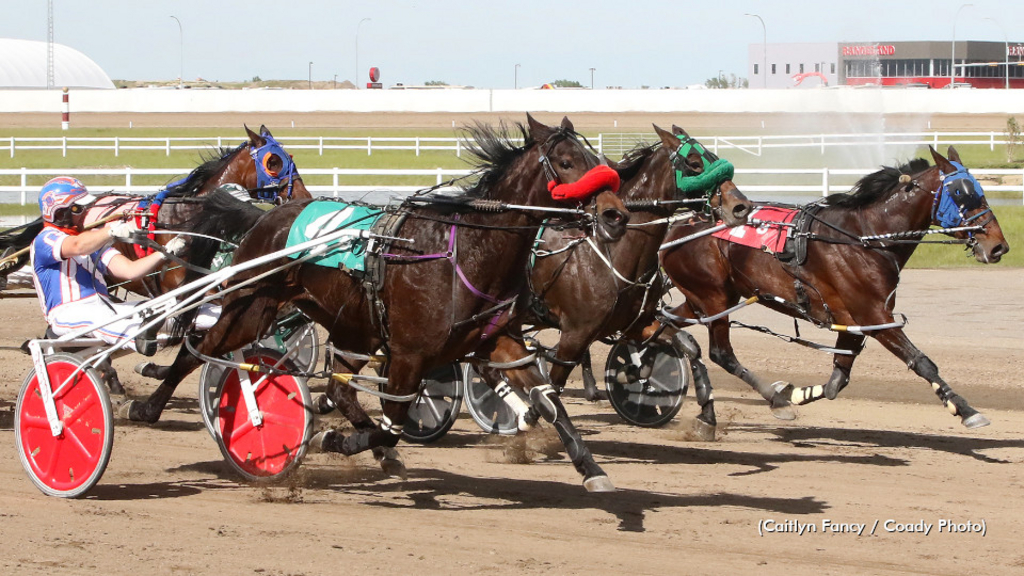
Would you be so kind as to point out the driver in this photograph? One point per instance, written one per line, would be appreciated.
(69, 263)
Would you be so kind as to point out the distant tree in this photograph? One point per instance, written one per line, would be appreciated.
(435, 83)
(721, 82)
(256, 79)
(1013, 137)
(566, 84)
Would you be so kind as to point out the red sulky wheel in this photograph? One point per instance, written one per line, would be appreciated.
(276, 446)
(70, 464)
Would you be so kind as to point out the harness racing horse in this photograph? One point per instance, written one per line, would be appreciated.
(857, 244)
(622, 281)
(442, 294)
(260, 164)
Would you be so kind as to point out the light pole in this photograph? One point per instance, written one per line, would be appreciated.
(515, 81)
(1007, 56)
(356, 79)
(764, 49)
(592, 78)
(952, 48)
(310, 75)
(181, 53)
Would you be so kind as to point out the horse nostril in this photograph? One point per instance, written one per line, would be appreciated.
(613, 216)
(1000, 250)
(741, 210)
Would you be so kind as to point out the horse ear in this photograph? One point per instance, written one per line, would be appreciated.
(941, 161)
(679, 131)
(953, 155)
(538, 131)
(669, 141)
(255, 140)
(264, 131)
(567, 125)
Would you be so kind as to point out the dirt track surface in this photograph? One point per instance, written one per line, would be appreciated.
(885, 450)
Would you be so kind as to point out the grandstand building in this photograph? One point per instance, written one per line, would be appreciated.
(913, 64)
(23, 65)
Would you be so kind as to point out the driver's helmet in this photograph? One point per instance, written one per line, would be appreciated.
(62, 198)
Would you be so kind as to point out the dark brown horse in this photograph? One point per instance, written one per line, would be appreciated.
(429, 311)
(259, 164)
(591, 291)
(857, 245)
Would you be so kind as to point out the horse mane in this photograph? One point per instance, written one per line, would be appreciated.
(875, 185)
(634, 159)
(212, 164)
(492, 151)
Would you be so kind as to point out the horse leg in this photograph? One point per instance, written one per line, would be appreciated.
(897, 342)
(240, 324)
(722, 354)
(704, 425)
(545, 401)
(841, 366)
(404, 375)
(590, 391)
(343, 398)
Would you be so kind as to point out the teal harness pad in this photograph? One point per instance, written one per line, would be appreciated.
(323, 217)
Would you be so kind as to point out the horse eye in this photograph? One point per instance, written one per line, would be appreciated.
(565, 164)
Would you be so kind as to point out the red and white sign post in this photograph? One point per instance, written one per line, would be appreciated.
(65, 116)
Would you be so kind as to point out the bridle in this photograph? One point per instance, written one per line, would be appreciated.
(958, 194)
(269, 182)
(709, 181)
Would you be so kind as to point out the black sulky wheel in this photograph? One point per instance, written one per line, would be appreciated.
(487, 409)
(71, 463)
(646, 385)
(437, 408)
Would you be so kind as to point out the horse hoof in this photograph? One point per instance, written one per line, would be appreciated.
(784, 412)
(319, 441)
(593, 395)
(598, 484)
(323, 405)
(977, 421)
(140, 368)
(124, 410)
(705, 432)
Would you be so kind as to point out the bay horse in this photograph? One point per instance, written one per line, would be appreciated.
(440, 297)
(259, 164)
(857, 244)
(590, 291)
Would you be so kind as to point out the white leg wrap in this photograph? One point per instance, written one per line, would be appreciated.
(506, 393)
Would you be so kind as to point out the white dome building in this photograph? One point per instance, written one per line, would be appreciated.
(23, 65)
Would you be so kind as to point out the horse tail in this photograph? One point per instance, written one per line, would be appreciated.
(21, 236)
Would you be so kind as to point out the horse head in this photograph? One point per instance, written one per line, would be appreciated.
(700, 172)
(960, 202)
(271, 175)
(576, 174)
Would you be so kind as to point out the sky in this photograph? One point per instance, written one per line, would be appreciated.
(629, 43)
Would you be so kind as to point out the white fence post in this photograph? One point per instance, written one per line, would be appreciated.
(128, 179)
(335, 181)
(64, 146)
(992, 142)
(12, 146)
(439, 176)
(321, 145)
(117, 146)
(168, 146)
(417, 145)
(369, 146)
(458, 148)
(936, 138)
(24, 186)
(824, 182)
(822, 144)
(600, 143)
